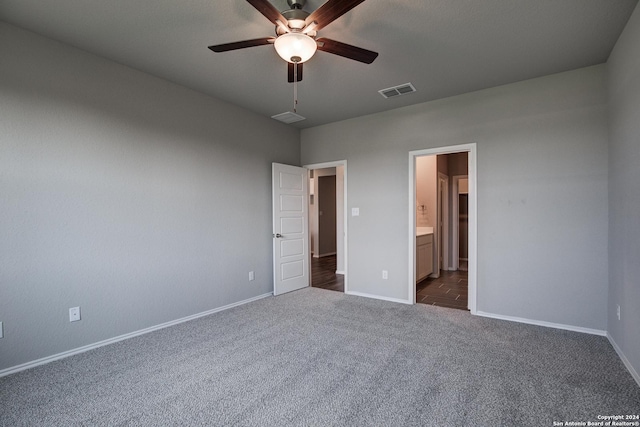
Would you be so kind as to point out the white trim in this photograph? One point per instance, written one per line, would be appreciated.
(326, 165)
(455, 226)
(543, 323)
(372, 296)
(472, 171)
(340, 272)
(345, 223)
(412, 227)
(65, 354)
(455, 223)
(443, 209)
(471, 149)
(624, 359)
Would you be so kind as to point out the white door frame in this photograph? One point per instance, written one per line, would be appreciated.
(471, 149)
(456, 220)
(443, 210)
(334, 164)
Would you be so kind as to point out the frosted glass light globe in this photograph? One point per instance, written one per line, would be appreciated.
(295, 47)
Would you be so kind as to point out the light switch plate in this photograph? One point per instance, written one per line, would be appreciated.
(355, 211)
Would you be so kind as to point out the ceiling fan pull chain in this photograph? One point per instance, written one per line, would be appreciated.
(295, 87)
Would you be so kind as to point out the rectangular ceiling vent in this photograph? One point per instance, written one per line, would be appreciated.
(288, 117)
(404, 89)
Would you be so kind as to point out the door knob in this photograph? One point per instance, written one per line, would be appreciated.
(277, 236)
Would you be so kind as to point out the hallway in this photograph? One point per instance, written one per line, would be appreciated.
(323, 274)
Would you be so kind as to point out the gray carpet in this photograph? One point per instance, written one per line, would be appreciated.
(316, 357)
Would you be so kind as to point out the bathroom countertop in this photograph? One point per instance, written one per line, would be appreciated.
(421, 231)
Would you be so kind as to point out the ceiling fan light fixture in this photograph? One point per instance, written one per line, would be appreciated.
(295, 47)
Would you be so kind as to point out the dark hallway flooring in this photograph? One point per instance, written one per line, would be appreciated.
(449, 290)
(323, 274)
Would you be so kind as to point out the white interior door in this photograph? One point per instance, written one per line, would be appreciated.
(290, 228)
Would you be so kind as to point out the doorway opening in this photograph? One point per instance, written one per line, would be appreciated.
(327, 225)
(442, 227)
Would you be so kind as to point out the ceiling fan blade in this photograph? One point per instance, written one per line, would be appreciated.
(291, 74)
(346, 50)
(330, 11)
(242, 44)
(268, 10)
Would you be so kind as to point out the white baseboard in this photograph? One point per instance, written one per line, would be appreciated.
(362, 294)
(45, 360)
(543, 323)
(624, 359)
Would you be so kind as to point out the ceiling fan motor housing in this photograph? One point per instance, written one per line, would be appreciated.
(295, 19)
(296, 4)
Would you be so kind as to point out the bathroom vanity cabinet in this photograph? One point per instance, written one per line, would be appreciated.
(424, 255)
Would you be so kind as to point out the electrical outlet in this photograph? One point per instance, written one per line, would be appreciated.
(618, 311)
(74, 314)
(385, 274)
(252, 276)
(1, 331)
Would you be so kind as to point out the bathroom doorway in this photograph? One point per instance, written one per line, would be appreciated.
(435, 215)
(443, 284)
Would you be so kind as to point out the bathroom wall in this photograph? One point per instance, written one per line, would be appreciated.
(426, 194)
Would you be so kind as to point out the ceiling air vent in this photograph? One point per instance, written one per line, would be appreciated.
(288, 117)
(404, 89)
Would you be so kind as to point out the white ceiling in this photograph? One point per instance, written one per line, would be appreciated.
(443, 47)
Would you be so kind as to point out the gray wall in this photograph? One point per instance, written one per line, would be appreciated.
(624, 191)
(542, 193)
(134, 198)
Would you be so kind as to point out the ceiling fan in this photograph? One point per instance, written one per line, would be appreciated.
(296, 34)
